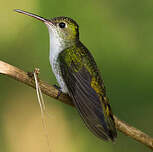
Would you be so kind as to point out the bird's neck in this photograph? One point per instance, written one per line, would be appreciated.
(57, 45)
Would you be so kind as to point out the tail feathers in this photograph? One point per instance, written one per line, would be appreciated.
(108, 133)
(111, 129)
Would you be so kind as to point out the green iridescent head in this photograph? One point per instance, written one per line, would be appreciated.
(63, 28)
(66, 27)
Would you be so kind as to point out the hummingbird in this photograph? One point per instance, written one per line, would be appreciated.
(78, 75)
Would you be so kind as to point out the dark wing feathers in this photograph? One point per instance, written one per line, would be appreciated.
(86, 100)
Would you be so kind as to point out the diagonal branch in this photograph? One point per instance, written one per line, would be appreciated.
(49, 90)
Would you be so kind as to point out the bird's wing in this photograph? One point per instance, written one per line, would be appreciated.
(81, 77)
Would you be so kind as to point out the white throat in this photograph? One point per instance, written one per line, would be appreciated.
(55, 46)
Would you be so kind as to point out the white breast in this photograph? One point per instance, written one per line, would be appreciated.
(55, 49)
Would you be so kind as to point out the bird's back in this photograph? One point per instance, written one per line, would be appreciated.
(86, 88)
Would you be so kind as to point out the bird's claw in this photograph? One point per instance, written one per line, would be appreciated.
(59, 91)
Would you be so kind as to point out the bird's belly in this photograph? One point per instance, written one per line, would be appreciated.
(57, 72)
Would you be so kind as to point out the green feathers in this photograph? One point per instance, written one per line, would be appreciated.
(83, 80)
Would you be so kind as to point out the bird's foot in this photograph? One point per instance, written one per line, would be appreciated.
(59, 91)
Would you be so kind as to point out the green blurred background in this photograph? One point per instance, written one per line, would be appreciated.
(120, 36)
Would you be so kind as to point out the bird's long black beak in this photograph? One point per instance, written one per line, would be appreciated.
(32, 15)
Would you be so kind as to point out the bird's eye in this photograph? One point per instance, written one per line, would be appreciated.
(62, 25)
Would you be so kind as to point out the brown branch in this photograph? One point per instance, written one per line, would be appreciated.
(49, 90)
